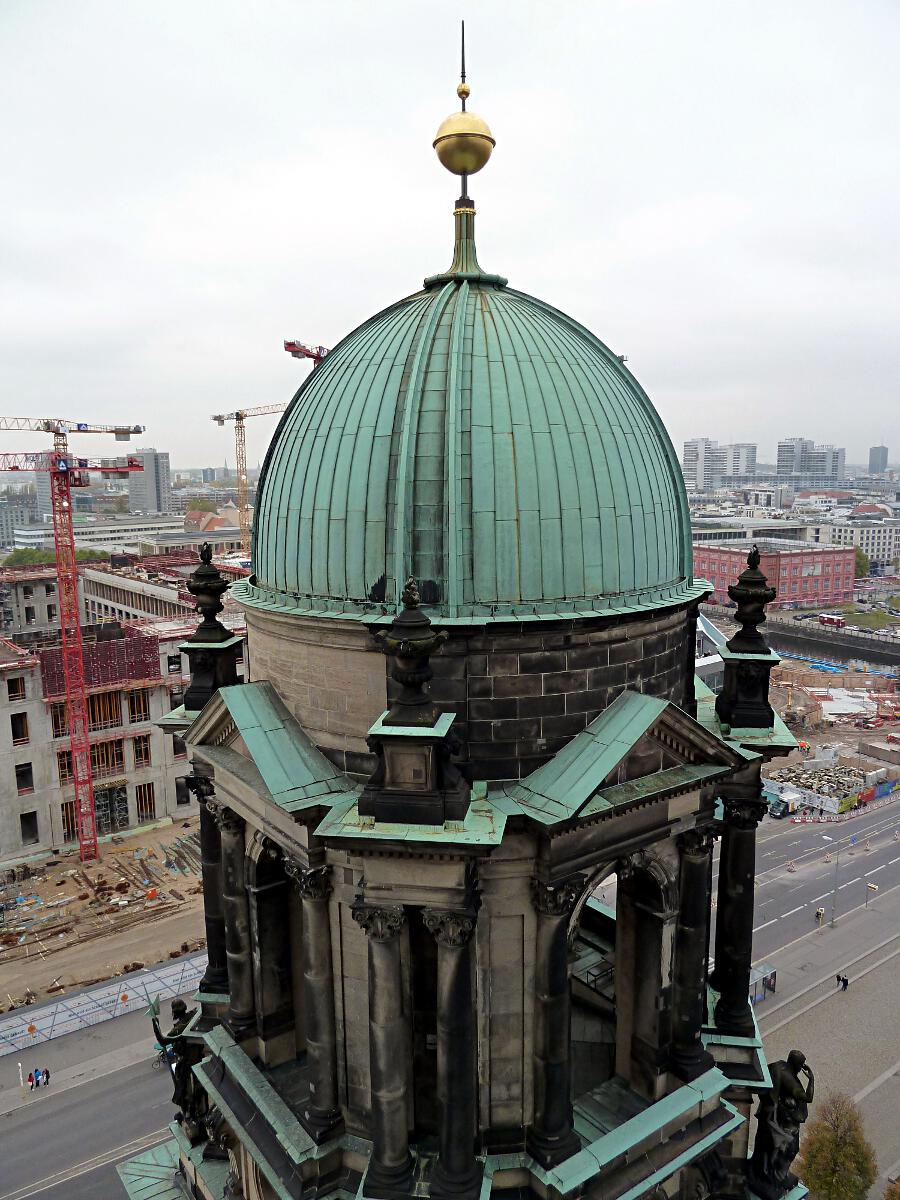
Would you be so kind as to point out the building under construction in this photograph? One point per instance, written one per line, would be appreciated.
(134, 674)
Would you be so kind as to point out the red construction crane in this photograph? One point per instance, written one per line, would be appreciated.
(67, 471)
(302, 350)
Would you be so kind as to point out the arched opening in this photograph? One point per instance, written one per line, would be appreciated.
(621, 943)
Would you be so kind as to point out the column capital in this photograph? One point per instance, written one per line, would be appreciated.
(381, 923)
(201, 785)
(744, 813)
(695, 841)
(313, 883)
(453, 929)
(556, 899)
(226, 818)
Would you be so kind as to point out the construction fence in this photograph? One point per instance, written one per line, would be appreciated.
(30, 1025)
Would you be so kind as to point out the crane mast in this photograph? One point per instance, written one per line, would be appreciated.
(64, 474)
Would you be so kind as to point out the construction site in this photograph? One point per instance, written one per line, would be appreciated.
(65, 924)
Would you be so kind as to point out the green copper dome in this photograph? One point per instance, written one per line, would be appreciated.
(482, 441)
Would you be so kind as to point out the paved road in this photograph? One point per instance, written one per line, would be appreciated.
(786, 900)
(65, 1146)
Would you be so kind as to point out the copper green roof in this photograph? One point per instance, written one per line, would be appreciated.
(483, 441)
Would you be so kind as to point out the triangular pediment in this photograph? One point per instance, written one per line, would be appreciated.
(646, 746)
(249, 720)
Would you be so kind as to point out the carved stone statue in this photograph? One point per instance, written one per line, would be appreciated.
(779, 1116)
(183, 1055)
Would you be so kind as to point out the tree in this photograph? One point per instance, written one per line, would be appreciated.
(891, 1192)
(202, 506)
(836, 1160)
(40, 558)
(120, 504)
(862, 563)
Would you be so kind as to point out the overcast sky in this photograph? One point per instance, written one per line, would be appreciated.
(711, 187)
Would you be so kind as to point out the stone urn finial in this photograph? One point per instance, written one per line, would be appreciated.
(411, 641)
(751, 595)
(207, 587)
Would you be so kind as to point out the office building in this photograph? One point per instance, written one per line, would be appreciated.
(801, 573)
(704, 462)
(150, 490)
(878, 460)
(800, 458)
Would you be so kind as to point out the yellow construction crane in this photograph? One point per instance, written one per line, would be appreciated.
(240, 452)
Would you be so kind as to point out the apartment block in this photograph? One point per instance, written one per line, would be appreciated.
(800, 458)
(704, 462)
(134, 677)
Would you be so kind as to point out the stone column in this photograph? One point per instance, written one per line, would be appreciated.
(215, 977)
(744, 809)
(241, 1010)
(551, 1137)
(322, 1118)
(456, 1172)
(689, 1058)
(270, 944)
(390, 1167)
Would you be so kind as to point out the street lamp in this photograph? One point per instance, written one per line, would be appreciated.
(837, 863)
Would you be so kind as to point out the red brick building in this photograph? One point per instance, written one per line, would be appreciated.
(803, 572)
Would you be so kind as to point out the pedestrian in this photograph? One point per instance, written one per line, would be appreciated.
(46, 1077)
(840, 979)
(31, 1081)
(845, 983)
(37, 1079)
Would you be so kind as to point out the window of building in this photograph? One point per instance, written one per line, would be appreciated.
(15, 688)
(146, 802)
(178, 746)
(59, 718)
(142, 750)
(51, 612)
(139, 705)
(176, 697)
(49, 589)
(69, 830)
(28, 826)
(64, 765)
(108, 758)
(29, 614)
(24, 778)
(19, 727)
(27, 592)
(111, 804)
(174, 664)
(104, 710)
(182, 792)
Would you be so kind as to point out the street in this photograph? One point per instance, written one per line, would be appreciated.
(65, 1146)
(786, 901)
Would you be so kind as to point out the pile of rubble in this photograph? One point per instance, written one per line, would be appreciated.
(832, 780)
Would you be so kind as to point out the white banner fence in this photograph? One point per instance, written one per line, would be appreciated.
(32, 1024)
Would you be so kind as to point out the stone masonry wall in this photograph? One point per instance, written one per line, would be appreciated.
(520, 692)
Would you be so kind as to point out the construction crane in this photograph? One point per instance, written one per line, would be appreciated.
(66, 472)
(302, 350)
(298, 350)
(240, 451)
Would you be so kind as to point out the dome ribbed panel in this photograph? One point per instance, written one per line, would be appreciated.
(489, 445)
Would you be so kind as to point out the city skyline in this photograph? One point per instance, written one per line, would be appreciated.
(734, 241)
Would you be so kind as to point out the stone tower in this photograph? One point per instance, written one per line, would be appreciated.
(459, 825)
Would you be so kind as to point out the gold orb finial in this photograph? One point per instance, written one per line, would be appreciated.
(463, 142)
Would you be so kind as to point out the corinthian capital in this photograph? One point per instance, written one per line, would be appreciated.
(313, 883)
(556, 899)
(744, 813)
(226, 818)
(450, 928)
(379, 923)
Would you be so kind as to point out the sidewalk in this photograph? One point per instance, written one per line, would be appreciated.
(852, 1038)
(79, 1057)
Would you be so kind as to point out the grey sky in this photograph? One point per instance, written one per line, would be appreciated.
(712, 188)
